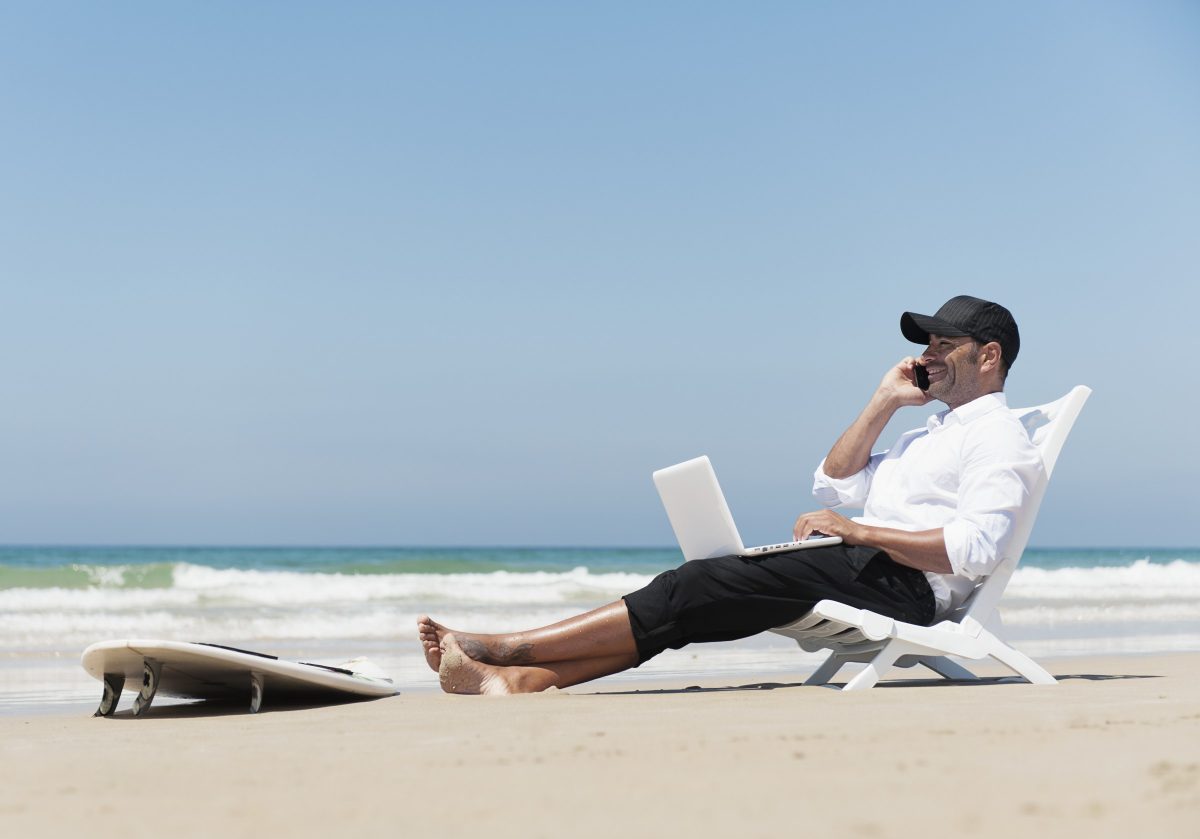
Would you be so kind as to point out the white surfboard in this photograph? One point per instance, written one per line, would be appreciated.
(211, 671)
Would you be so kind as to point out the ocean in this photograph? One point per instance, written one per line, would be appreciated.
(332, 604)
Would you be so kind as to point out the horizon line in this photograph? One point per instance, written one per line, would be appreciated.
(471, 547)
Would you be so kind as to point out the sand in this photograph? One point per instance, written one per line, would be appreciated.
(1113, 750)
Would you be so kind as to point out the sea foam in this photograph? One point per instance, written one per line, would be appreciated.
(197, 602)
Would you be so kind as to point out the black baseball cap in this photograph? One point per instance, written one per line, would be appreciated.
(969, 317)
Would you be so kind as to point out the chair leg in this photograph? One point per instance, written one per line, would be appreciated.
(826, 671)
(1020, 663)
(950, 669)
(876, 667)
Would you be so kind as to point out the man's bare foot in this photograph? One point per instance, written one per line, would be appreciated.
(430, 633)
(459, 673)
(489, 649)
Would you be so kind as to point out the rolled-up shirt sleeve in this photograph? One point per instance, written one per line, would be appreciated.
(844, 492)
(996, 482)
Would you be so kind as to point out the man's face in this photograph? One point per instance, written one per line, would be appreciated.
(953, 365)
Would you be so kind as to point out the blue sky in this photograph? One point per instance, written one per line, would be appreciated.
(291, 273)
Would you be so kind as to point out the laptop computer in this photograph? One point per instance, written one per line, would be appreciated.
(701, 519)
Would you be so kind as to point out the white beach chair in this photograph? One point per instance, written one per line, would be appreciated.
(973, 630)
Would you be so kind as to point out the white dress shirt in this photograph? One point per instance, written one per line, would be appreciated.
(967, 471)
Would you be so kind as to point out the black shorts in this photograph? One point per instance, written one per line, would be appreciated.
(732, 597)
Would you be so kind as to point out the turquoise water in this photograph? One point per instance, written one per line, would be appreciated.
(330, 604)
(48, 565)
(70, 566)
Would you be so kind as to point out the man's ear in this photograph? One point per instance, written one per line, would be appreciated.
(990, 355)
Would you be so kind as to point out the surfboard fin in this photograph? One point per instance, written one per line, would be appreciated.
(150, 672)
(256, 692)
(114, 683)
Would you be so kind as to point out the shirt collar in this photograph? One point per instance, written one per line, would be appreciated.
(973, 410)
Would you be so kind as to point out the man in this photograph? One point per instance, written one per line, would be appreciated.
(938, 510)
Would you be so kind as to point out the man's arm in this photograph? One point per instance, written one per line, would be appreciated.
(924, 550)
(851, 452)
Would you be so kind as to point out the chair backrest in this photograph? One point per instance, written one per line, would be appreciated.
(1048, 426)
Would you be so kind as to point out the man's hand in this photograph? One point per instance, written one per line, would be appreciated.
(899, 385)
(829, 523)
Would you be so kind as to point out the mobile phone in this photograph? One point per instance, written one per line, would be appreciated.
(921, 375)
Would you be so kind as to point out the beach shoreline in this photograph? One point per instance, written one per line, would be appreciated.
(331, 605)
(1113, 749)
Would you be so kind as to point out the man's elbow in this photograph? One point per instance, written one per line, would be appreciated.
(974, 564)
(840, 470)
(840, 474)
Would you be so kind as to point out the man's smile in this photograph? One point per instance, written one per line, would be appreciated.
(936, 372)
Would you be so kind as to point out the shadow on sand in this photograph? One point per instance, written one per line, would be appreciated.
(894, 683)
(227, 708)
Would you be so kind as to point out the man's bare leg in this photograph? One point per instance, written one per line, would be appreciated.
(599, 633)
(460, 673)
